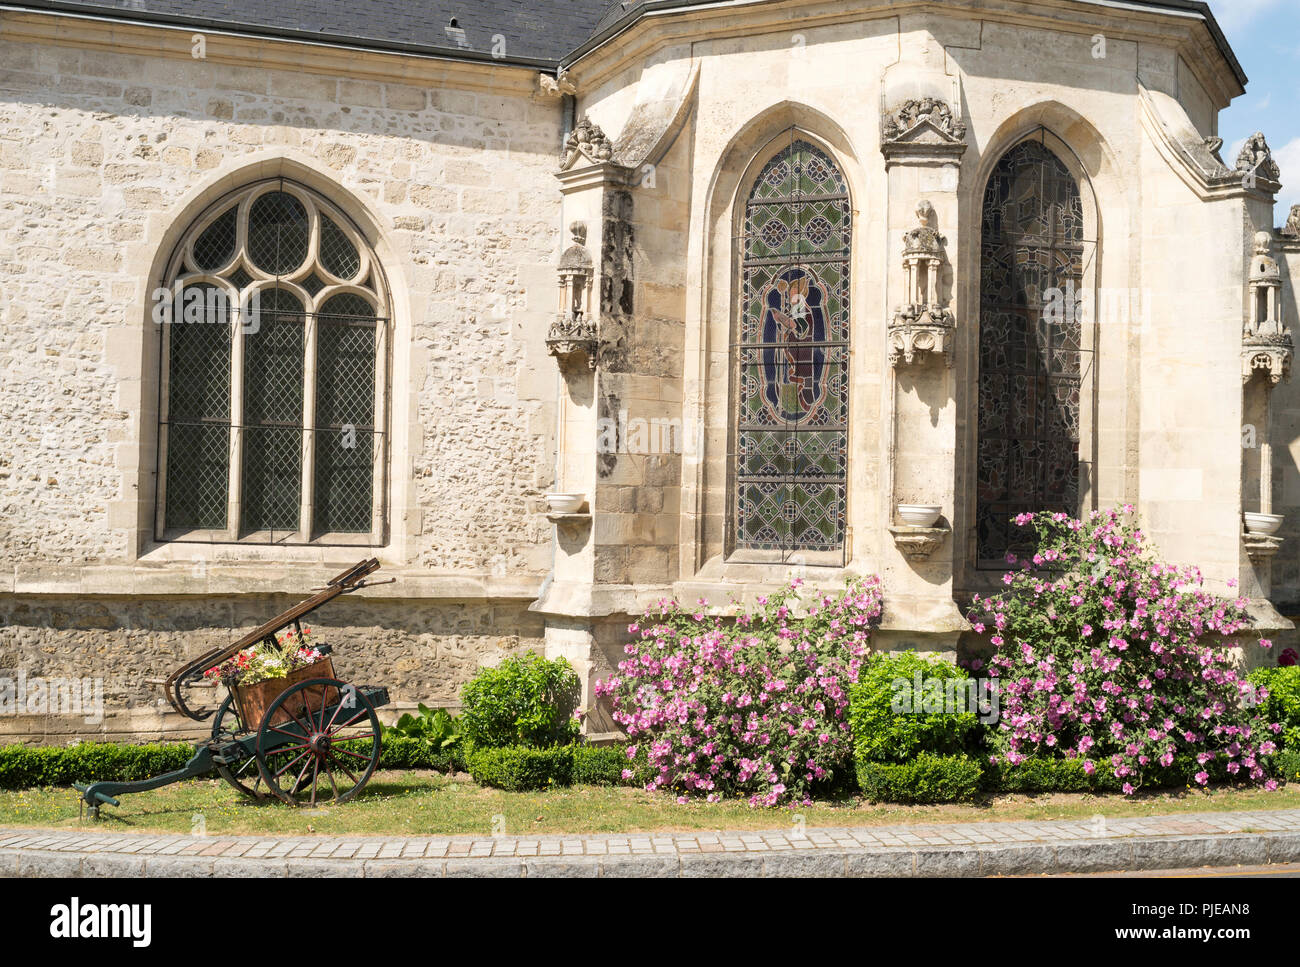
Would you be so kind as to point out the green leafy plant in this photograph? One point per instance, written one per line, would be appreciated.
(526, 700)
(1282, 701)
(892, 716)
(435, 727)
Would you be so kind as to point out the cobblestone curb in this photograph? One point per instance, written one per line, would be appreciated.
(965, 850)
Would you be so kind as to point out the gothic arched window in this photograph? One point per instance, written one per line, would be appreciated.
(791, 356)
(274, 338)
(1030, 369)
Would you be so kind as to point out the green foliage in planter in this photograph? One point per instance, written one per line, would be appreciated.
(890, 721)
(25, 767)
(519, 768)
(526, 700)
(924, 779)
(1283, 702)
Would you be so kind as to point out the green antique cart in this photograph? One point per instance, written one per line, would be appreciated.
(302, 739)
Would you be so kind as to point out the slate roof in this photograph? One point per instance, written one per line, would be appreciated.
(543, 33)
(535, 31)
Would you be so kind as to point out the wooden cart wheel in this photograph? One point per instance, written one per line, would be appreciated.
(245, 777)
(326, 748)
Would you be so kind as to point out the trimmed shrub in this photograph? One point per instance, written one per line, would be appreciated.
(526, 700)
(924, 779)
(600, 765)
(1281, 704)
(1038, 774)
(749, 704)
(1286, 765)
(25, 767)
(519, 768)
(404, 752)
(1106, 654)
(894, 715)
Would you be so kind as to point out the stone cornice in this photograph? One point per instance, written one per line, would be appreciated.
(667, 23)
(240, 50)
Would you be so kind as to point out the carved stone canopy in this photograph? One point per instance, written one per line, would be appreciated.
(573, 337)
(1264, 269)
(1266, 344)
(924, 324)
(588, 141)
(1292, 227)
(1256, 160)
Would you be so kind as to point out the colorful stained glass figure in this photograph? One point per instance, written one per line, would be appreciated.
(1030, 360)
(791, 356)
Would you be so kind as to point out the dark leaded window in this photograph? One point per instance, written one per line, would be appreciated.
(1030, 370)
(791, 356)
(273, 372)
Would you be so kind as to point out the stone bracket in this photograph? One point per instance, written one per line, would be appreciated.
(918, 543)
(1261, 547)
(933, 333)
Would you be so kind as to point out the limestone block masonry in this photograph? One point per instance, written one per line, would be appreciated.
(470, 179)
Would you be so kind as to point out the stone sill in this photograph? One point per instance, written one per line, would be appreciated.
(249, 578)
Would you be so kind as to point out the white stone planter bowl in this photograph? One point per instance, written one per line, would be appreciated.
(919, 515)
(1263, 524)
(564, 503)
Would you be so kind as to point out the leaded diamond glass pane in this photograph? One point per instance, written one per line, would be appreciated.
(273, 387)
(198, 410)
(240, 279)
(198, 378)
(345, 463)
(791, 356)
(273, 361)
(277, 233)
(337, 253)
(216, 245)
(345, 402)
(1029, 354)
(198, 464)
(272, 486)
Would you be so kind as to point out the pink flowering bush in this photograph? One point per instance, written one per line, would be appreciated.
(1105, 654)
(750, 704)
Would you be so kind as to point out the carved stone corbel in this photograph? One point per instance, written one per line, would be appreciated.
(918, 543)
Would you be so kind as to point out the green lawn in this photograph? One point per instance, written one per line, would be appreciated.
(423, 803)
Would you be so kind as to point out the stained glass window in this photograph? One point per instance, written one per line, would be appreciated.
(791, 356)
(1030, 359)
(279, 302)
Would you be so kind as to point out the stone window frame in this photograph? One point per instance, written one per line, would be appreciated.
(983, 577)
(732, 554)
(378, 294)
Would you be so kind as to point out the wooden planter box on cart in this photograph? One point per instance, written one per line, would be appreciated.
(254, 700)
